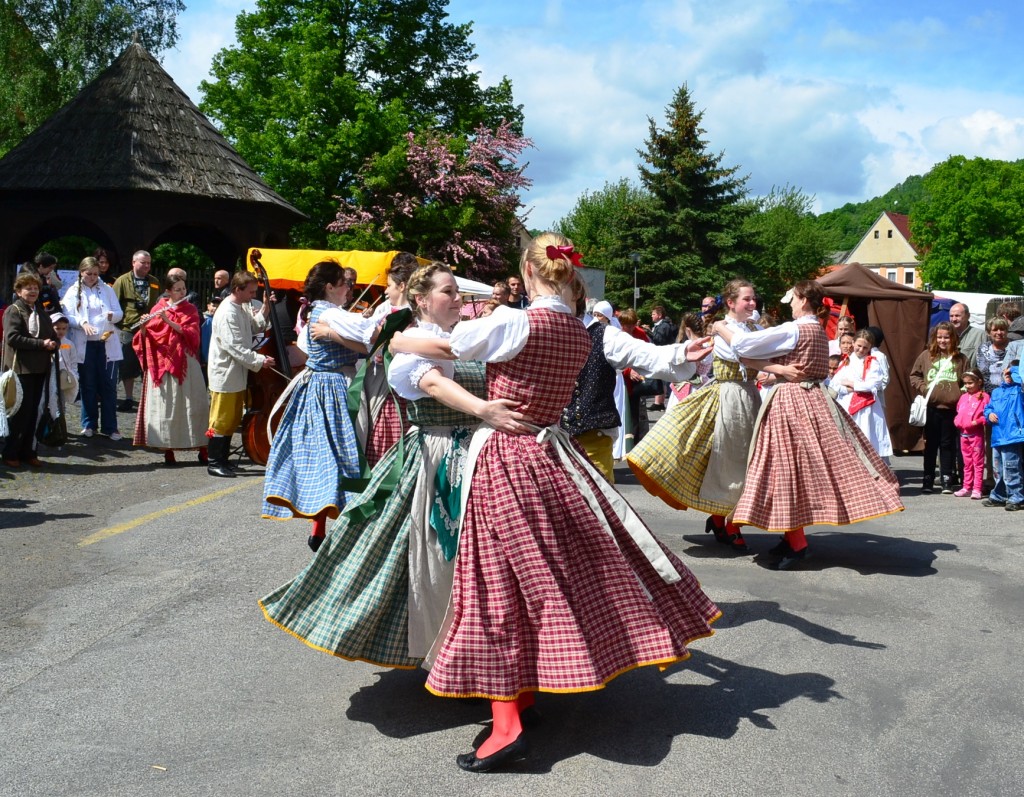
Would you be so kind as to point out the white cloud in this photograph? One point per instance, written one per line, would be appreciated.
(800, 133)
(921, 127)
(815, 95)
(984, 133)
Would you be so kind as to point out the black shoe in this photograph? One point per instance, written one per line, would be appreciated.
(792, 559)
(314, 543)
(927, 490)
(782, 549)
(993, 502)
(506, 755)
(1012, 507)
(217, 468)
(947, 485)
(126, 405)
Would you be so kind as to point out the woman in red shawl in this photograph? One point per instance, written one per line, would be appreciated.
(175, 407)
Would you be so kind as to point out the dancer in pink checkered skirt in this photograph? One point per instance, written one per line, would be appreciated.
(559, 586)
(810, 464)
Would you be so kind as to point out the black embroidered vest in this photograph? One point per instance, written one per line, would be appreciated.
(593, 398)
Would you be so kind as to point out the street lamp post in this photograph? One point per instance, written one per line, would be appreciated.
(635, 257)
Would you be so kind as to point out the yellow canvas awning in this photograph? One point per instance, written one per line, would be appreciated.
(287, 268)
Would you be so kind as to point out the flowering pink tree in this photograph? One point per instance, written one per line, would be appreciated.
(450, 198)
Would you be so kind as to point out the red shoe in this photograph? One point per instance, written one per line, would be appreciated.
(35, 462)
(12, 463)
(169, 458)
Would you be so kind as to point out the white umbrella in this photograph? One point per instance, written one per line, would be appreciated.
(470, 287)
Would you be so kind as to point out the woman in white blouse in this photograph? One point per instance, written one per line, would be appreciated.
(809, 463)
(92, 310)
(378, 588)
(695, 456)
(558, 585)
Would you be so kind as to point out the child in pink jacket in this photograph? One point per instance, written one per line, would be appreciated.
(970, 420)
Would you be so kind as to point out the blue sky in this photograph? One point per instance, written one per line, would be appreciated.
(842, 99)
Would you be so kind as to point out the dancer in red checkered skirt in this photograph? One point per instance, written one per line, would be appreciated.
(810, 463)
(559, 586)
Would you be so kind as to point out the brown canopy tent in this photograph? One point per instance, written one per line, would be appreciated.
(902, 313)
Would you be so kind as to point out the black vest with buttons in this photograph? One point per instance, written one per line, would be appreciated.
(593, 398)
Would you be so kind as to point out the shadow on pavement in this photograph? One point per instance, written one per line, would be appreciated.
(26, 520)
(634, 721)
(867, 554)
(736, 614)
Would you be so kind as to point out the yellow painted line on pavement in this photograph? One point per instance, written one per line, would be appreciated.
(113, 531)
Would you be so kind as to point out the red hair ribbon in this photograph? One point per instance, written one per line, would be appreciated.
(827, 301)
(574, 257)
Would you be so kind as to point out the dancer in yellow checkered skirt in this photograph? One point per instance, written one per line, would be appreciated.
(696, 456)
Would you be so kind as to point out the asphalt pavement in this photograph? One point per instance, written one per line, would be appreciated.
(134, 659)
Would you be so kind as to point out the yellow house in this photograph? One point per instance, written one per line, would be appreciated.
(886, 250)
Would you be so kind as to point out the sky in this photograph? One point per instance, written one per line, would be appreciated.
(842, 99)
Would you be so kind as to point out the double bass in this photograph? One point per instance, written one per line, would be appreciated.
(267, 384)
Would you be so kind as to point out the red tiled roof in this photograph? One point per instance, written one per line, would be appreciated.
(901, 222)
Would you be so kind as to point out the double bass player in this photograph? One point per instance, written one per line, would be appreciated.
(231, 354)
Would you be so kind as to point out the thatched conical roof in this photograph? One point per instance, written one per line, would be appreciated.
(133, 129)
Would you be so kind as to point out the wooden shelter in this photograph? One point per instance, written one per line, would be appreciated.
(131, 163)
(902, 313)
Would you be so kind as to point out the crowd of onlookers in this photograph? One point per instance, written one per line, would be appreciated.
(82, 339)
(78, 342)
(975, 413)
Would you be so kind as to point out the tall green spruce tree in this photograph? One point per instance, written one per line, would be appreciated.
(693, 230)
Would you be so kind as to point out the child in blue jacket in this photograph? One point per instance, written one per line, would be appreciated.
(1005, 413)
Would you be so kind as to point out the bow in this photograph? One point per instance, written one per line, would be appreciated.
(567, 252)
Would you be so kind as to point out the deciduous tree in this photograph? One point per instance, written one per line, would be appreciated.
(605, 226)
(74, 40)
(971, 225)
(452, 198)
(313, 90)
(791, 245)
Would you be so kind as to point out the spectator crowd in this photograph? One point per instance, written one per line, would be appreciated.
(85, 339)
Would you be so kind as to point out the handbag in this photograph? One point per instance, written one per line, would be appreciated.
(919, 407)
(52, 432)
(10, 388)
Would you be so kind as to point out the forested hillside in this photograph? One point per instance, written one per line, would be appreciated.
(852, 220)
